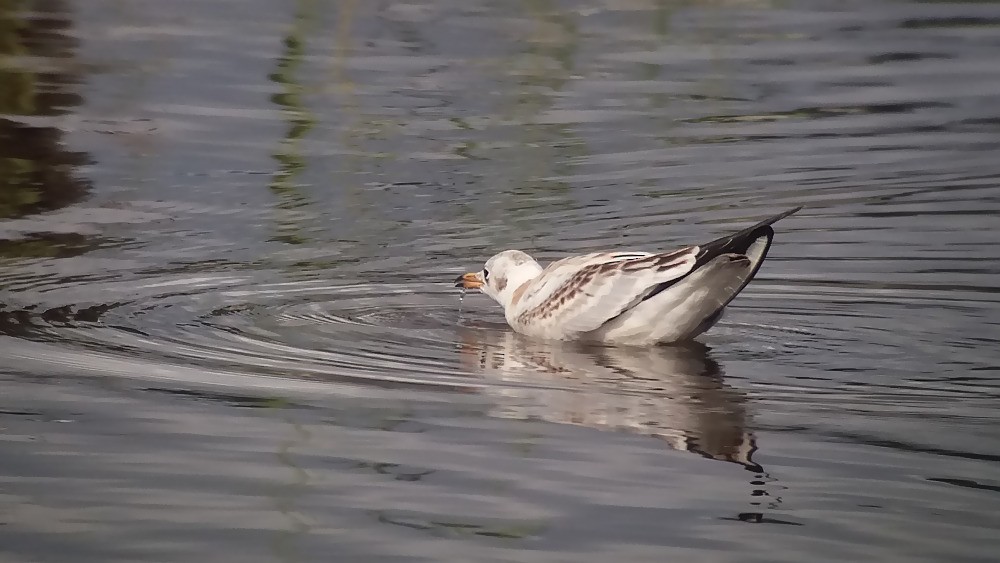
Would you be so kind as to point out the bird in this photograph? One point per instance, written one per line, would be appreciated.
(625, 298)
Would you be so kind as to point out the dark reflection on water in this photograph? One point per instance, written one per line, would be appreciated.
(675, 393)
(37, 171)
(226, 235)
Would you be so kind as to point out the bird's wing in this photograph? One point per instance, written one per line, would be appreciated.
(581, 293)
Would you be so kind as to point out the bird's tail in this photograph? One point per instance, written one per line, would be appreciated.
(743, 241)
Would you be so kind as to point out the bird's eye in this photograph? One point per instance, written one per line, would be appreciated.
(486, 274)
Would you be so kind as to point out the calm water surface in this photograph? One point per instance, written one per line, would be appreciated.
(227, 231)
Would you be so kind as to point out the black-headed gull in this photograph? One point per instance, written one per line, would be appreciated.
(627, 298)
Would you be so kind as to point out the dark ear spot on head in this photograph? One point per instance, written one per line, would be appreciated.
(501, 284)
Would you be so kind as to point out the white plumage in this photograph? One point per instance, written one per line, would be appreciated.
(629, 298)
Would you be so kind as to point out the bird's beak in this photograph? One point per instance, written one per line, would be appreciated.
(469, 281)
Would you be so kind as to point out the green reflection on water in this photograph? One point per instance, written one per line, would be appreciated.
(291, 162)
(35, 170)
(17, 88)
(287, 495)
(48, 245)
(17, 85)
(547, 146)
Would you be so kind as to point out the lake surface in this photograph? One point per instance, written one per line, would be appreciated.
(228, 231)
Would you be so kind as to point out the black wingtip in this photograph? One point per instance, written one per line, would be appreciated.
(736, 243)
(739, 242)
(769, 221)
(780, 216)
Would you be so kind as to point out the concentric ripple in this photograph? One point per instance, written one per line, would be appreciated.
(388, 333)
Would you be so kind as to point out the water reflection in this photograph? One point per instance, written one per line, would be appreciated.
(291, 162)
(674, 393)
(36, 81)
(548, 142)
(287, 497)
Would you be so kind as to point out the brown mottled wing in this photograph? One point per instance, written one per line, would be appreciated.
(580, 294)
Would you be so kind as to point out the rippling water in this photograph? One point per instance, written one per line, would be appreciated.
(227, 232)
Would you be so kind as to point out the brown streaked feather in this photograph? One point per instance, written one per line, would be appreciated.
(556, 301)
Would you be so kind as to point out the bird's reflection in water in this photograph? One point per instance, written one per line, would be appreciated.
(674, 393)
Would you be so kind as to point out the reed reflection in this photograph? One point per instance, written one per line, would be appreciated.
(36, 170)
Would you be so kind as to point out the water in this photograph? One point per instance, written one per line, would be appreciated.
(228, 232)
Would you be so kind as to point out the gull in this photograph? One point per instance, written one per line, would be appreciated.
(625, 297)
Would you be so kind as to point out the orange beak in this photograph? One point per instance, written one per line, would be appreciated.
(469, 281)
